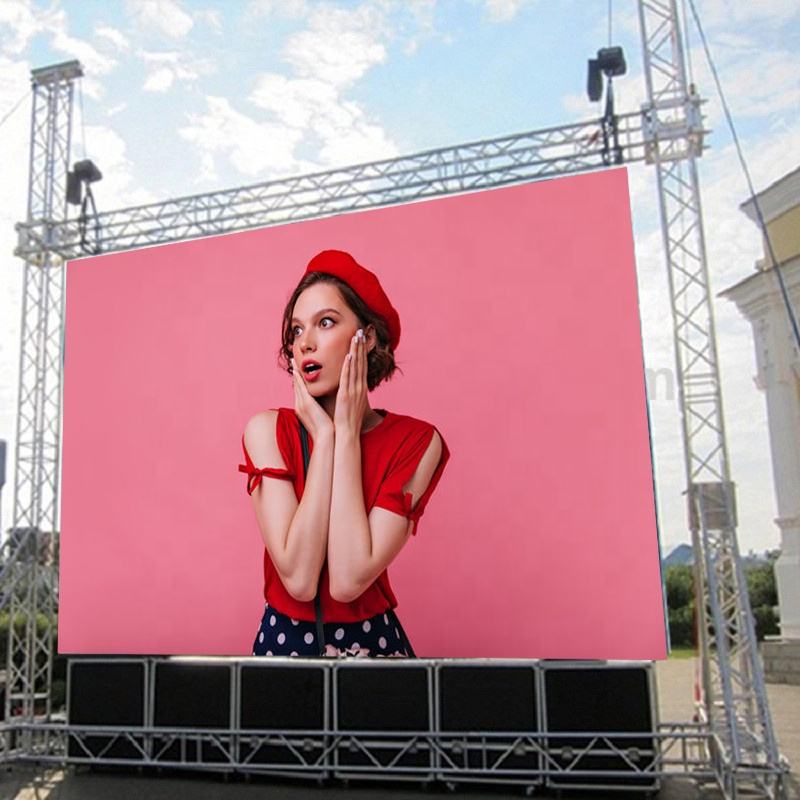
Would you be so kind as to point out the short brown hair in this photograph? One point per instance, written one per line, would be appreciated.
(380, 360)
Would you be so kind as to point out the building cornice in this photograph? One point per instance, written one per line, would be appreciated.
(776, 199)
(758, 293)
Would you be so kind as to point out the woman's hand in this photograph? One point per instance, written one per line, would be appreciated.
(311, 413)
(351, 399)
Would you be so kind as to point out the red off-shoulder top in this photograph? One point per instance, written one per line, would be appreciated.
(390, 454)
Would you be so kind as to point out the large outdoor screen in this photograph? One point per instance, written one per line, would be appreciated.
(520, 343)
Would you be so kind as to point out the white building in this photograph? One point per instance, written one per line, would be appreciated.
(760, 299)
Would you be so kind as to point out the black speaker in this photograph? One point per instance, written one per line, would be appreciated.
(598, 700)
(106, 692)
(284, 699)
(477, 699)
(376, 697)
(192, 695)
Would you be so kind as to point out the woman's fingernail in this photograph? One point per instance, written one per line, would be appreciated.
(360, 333)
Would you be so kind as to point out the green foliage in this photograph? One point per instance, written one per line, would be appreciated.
(58, 688)
(761, 585)
(58, 694)
(19, 627)
(766, 621)
(679, 580)
(681, 626)
(761, 589)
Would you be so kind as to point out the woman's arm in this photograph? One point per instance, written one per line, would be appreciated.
(295, 534)
(360, 548)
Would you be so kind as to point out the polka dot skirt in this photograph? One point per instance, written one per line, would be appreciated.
(279, 635)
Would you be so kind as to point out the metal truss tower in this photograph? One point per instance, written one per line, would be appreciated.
(29, 566)
(667, 133)
(735, 702)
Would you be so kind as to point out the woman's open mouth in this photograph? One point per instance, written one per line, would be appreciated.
(312, 373)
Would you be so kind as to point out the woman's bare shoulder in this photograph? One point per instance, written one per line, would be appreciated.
(260, 436)
(262, 419)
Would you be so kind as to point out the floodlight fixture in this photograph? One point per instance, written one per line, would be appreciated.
(610, 62)
(84, 172)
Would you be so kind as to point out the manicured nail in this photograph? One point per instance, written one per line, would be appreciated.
(360, 333)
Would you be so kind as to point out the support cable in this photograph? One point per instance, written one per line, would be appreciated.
(688, 47)
(83, 118)
(16, 106)
(762, 224)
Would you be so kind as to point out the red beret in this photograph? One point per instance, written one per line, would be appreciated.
(363, 282)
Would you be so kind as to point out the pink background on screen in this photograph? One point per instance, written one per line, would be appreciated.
(521, 343)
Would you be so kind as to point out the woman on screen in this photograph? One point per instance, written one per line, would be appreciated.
(330, 535)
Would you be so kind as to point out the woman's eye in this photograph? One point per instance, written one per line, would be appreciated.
(295, 334)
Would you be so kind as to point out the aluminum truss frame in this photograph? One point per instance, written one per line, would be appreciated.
(635, 760)
(29, 557)
(531, 155)
(668, 133)
(735, 703)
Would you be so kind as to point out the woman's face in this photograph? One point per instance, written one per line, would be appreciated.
(323, 326)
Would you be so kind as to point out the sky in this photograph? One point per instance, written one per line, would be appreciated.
(182, 97)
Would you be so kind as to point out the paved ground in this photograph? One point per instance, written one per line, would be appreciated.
(675, 679)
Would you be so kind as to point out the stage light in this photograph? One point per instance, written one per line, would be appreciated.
(610, 62)
(79, 193)
(84, 172)
(594, 83)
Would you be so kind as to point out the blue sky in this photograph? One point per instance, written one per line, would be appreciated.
(184, 97)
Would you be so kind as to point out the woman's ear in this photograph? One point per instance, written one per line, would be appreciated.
(372, 338)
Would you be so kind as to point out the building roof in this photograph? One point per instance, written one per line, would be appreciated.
(776, 199)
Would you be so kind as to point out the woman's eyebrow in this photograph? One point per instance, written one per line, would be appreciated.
(322, 311)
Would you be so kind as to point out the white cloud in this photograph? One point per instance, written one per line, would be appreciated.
(91, 88)
(339, 46)
(349, 138)
(422, 14)
(23, 20)
(211, 17)
(112, 111)
(307, 111)
(165, 17)
(756, 83)
(294, 101)
(165, 68)
(27, 21)
(159, 80)
(112, 35)
(287, 9)
(502, 10)
(256, 149)
(120, 187)
(728, 13)
(336, 49)
(94, 62)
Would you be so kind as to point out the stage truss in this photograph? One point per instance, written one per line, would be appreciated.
(667, 134)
